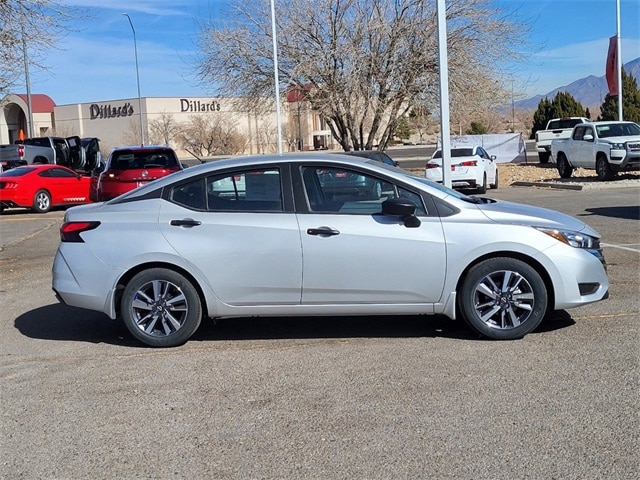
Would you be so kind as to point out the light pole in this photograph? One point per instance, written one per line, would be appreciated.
(135, 48)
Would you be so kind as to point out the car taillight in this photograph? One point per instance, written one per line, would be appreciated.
(432, 165)
(70, 231)
(8, 185)
(21, 151)
(470, 163)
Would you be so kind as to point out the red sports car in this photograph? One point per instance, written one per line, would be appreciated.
(41, 187)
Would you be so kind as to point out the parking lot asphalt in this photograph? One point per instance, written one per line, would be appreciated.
(325, 398)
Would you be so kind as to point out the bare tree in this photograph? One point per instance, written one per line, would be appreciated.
(34, 25)
(206, 135)
(162, 129)
(362, 63)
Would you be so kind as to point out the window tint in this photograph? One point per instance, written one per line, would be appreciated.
(335, 190)
(133, 159)
(256, 190)
(57, 173)
(191, 195)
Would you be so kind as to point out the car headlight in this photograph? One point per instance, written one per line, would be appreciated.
(573, 239)
(618, 146)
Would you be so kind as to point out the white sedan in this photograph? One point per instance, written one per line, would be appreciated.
(471, 167)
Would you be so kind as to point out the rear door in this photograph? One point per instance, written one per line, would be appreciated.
(238, 230)
(76, 153)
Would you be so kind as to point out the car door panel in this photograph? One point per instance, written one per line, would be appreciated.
(371, 259)
(249, 258)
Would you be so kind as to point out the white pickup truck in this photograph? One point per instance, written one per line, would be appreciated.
(557, 128)
(606, 147)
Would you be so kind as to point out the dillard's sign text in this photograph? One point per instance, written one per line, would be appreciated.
(196, 106)
(107, 111)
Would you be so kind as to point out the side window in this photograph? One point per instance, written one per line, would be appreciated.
(190, 195)
(255, 190)
(415, 198)
(335, 190)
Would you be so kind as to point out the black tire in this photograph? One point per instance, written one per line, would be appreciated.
(603, 169)
(161, 308)
(544, 157)
(41, 202)
(564, 169)
(494, 186)
(482, 188)
(503, 298)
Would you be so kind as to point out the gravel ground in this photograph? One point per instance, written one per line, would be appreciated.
(510, 173)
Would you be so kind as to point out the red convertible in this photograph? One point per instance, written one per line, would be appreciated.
(41, 187)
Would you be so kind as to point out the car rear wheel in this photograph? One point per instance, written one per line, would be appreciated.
(161, 308)
(564, 169)
(494, 185)
(503, 298)
(42, 202)
(483, 188)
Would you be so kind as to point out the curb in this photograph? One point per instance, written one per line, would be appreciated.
(546, 185)
(583, 186)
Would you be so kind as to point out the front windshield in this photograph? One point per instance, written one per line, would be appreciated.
(618, 130)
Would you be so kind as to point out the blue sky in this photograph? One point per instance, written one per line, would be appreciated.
(96, 61)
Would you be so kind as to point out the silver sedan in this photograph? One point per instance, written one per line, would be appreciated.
(266, 236)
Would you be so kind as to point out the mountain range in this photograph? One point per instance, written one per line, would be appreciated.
(589, 91)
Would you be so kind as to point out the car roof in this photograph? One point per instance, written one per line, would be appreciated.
(271, 159)
(141, 148)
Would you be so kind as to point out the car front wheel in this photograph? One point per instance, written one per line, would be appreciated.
(161, 308)
(503, 298)
(603, 169)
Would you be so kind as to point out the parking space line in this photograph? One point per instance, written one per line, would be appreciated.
(621, 247)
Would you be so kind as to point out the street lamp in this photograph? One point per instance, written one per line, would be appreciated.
(135, 48)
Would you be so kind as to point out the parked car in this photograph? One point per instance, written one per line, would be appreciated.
(471, 167)
(42, 187)
(263, 236)
(130, 167)
(377, 155)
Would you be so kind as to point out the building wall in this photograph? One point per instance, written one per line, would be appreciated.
(117, 122)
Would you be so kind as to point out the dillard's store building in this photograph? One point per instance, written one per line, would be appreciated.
(117, 122)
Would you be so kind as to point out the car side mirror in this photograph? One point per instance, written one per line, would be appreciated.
(588, 137)
(402, 207)
(493, 158)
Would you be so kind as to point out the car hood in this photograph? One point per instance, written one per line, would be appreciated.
(516, 213)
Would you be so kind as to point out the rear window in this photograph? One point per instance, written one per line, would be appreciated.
(564, 123)
(456, 152)
(135, 159)
(16, 172)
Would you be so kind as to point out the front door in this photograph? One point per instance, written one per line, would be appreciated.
(352, 254)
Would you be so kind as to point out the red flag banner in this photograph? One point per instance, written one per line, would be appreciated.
(612, 66)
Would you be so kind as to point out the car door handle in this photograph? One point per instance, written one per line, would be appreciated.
(323, 231)
(185, 222)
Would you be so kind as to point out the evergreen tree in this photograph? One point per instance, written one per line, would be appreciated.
(630, 101)
(477, 128)
(562, 105)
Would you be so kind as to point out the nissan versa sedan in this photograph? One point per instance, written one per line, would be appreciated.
(265, 236)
